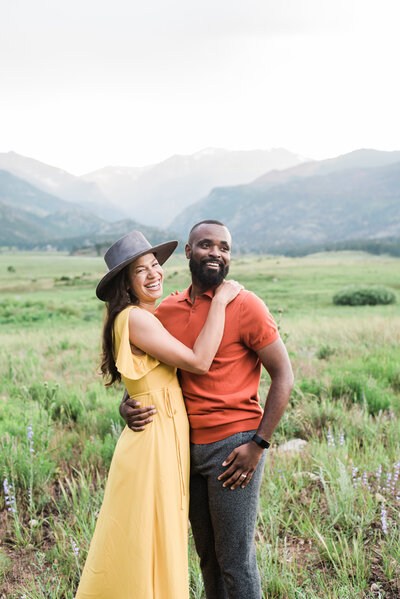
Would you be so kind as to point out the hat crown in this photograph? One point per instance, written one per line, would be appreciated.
(127, 247)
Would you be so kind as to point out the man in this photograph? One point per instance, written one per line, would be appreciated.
(229, 431)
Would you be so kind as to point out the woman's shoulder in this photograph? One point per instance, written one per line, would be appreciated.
(134, 315)
(141, 316)
(123, 316)
(130, 365)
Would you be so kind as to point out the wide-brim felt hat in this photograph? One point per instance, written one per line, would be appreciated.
(126, 250)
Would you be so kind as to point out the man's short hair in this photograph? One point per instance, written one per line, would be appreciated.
(206, 222)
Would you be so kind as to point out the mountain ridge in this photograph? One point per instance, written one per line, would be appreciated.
(179, 180)
(271, 215)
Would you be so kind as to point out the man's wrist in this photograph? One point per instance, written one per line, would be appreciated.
(260, 441)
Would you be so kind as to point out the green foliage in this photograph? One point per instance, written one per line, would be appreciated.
(354, 295)
(325, 352)
(383, 245)
(5, 565)
(362, 389)
(319, 529)
(13, 311)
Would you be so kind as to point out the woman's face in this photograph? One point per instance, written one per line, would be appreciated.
(146, 278)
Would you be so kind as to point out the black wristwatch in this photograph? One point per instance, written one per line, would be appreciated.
(261, 442)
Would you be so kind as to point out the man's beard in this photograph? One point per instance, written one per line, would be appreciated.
(206, 277)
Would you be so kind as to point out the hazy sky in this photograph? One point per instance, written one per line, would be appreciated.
(88, 83)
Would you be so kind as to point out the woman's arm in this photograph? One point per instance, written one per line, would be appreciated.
(148, 334)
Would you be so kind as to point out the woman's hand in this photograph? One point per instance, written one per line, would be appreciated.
(227, 291)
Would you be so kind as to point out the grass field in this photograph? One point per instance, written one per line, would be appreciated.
(329, 517)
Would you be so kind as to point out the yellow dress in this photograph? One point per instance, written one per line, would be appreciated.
(139, 547)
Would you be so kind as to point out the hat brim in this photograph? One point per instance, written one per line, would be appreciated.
(162, 251)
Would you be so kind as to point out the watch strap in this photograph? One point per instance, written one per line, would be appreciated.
(260, 441)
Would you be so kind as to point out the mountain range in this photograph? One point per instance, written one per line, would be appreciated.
(355, 196)
(31, 218)
(60, 184)
(156, 194)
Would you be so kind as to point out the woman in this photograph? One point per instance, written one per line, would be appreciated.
(139, 548)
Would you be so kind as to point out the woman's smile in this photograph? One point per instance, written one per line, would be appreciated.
(155, 285)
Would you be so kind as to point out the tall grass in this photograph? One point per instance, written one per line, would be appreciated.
(328, 522)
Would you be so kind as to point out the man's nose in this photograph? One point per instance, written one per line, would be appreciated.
(215, 251)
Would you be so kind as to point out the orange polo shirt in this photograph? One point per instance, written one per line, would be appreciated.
(225, 400)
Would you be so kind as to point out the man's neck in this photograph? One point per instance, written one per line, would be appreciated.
(198, 289)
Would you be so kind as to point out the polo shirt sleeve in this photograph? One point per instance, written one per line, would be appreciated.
(257, 327)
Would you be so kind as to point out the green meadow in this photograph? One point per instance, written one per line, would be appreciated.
(329, 515)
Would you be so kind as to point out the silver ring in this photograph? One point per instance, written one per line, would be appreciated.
(243, 476)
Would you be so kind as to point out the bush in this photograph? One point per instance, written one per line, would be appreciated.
(360, 388)
(362, 296)
(325, 352)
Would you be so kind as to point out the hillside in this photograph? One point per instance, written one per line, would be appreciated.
(31, 218)
(307, 209)
(100, 240)
(57, 182)
(156, 194)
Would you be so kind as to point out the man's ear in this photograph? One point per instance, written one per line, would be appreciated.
(188, 250)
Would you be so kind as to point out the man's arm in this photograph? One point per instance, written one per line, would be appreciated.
(244, 459)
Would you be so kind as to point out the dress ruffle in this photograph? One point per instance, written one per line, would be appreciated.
(128, 364)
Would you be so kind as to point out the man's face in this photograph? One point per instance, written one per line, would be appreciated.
(209, 254)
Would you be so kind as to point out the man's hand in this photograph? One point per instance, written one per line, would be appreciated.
(242, 462)
(135, 416)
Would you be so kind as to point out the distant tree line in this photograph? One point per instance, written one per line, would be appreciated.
(385, 245)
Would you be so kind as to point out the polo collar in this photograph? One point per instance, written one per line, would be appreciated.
(185, 295)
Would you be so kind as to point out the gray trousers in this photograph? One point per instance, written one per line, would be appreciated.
(223, 522)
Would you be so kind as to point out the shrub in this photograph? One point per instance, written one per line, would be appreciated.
(325, 352)
(360, 388)
(362, 296)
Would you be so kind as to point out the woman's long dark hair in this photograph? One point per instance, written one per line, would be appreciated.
(119, 297)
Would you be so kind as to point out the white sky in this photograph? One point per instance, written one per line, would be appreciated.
(88, 83)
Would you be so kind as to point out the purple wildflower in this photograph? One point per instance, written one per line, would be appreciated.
(75, 548)
(384, 521)
(330, 438)
(30, 438)
(365, 479)
(341, 440)
(10, 499)
(396, 473)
